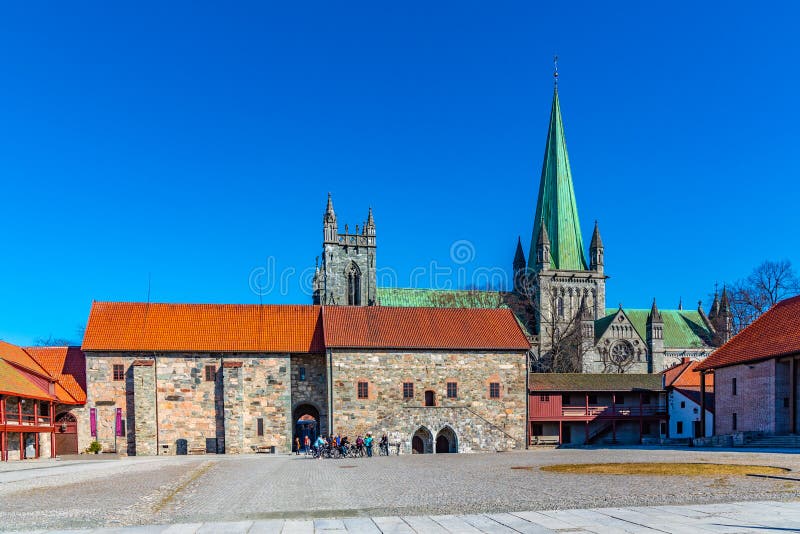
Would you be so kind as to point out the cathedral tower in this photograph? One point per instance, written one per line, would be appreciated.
(346, 274)
(565, 284)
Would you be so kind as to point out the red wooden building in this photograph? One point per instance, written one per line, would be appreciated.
(29, 395)
(579, 408)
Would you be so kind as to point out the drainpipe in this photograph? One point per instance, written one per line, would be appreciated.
(527, 401)
(329, 353)
(155, 394)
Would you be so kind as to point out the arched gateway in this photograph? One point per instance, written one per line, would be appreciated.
(422, 441)
(306, 423)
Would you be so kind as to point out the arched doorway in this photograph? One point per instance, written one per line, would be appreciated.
(422, 441)
(306, 423)
(446, 441)
(66, 434)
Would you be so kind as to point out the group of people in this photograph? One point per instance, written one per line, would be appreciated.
(341, 446)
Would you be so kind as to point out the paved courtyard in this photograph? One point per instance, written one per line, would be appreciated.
(267, 490)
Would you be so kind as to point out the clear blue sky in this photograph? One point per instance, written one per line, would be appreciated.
(194, 141)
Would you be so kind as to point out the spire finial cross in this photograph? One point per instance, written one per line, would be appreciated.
(555, 70)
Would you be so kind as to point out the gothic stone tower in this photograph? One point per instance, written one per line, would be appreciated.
(562, 284)
(346, 275)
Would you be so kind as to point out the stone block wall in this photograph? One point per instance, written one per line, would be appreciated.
(310, 387)
(754, 402)
(105, 395)
(144, 413)
(169, 405)
(480, 422)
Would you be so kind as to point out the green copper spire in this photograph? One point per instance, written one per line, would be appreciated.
(556, 206)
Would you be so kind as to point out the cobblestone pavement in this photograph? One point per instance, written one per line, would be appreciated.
(256, 488)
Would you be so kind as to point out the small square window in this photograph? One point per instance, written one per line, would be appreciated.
(452, 390)
(494, 390)
(544, 398)
(301, 374)
(119, 371)
(408, 390)
(363, 390)
(211, 373)
(683, 404)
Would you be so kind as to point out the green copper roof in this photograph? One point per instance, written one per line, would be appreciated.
(439, 298)
(556, 205)
(682, 328)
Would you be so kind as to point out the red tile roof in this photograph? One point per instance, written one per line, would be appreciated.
(685, 375)
(68, 366)
(421, 328)
(776, 333)
(18, 356)
(137, 326)
(15, 382)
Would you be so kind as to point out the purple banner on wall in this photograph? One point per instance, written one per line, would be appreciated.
(118, 422)
(93, 421)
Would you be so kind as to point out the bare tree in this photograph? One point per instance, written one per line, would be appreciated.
(768, 284)
(51, 341)
(563, 343)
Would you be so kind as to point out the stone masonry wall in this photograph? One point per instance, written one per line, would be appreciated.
(144, 408)
(479, 422)
(105, 395)
(188, 407)
(754, 402)
(313, 389)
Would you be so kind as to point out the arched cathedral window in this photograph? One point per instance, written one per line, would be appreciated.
(353, 285)
(560, 306)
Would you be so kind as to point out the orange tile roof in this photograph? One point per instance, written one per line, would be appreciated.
(685, 375)
(18, 356)
(14, 381)
(435, 328)
(776, 333)
(68, 366)
(137, 326)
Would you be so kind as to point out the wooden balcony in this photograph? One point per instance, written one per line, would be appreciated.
(613, 411)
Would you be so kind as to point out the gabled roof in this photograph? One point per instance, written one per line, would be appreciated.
(685, 375)
(422, 328)
(138, 326)
(18, 356)
(68, 366)
(14, 381)
(682, 328)
(606, 382)
(440, 298)
(776, 333)
(556, 206)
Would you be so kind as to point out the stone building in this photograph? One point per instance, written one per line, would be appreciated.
(241, 378)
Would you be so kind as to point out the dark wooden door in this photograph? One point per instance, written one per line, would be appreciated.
(430, 398)
(66, 434)
(417, 445)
